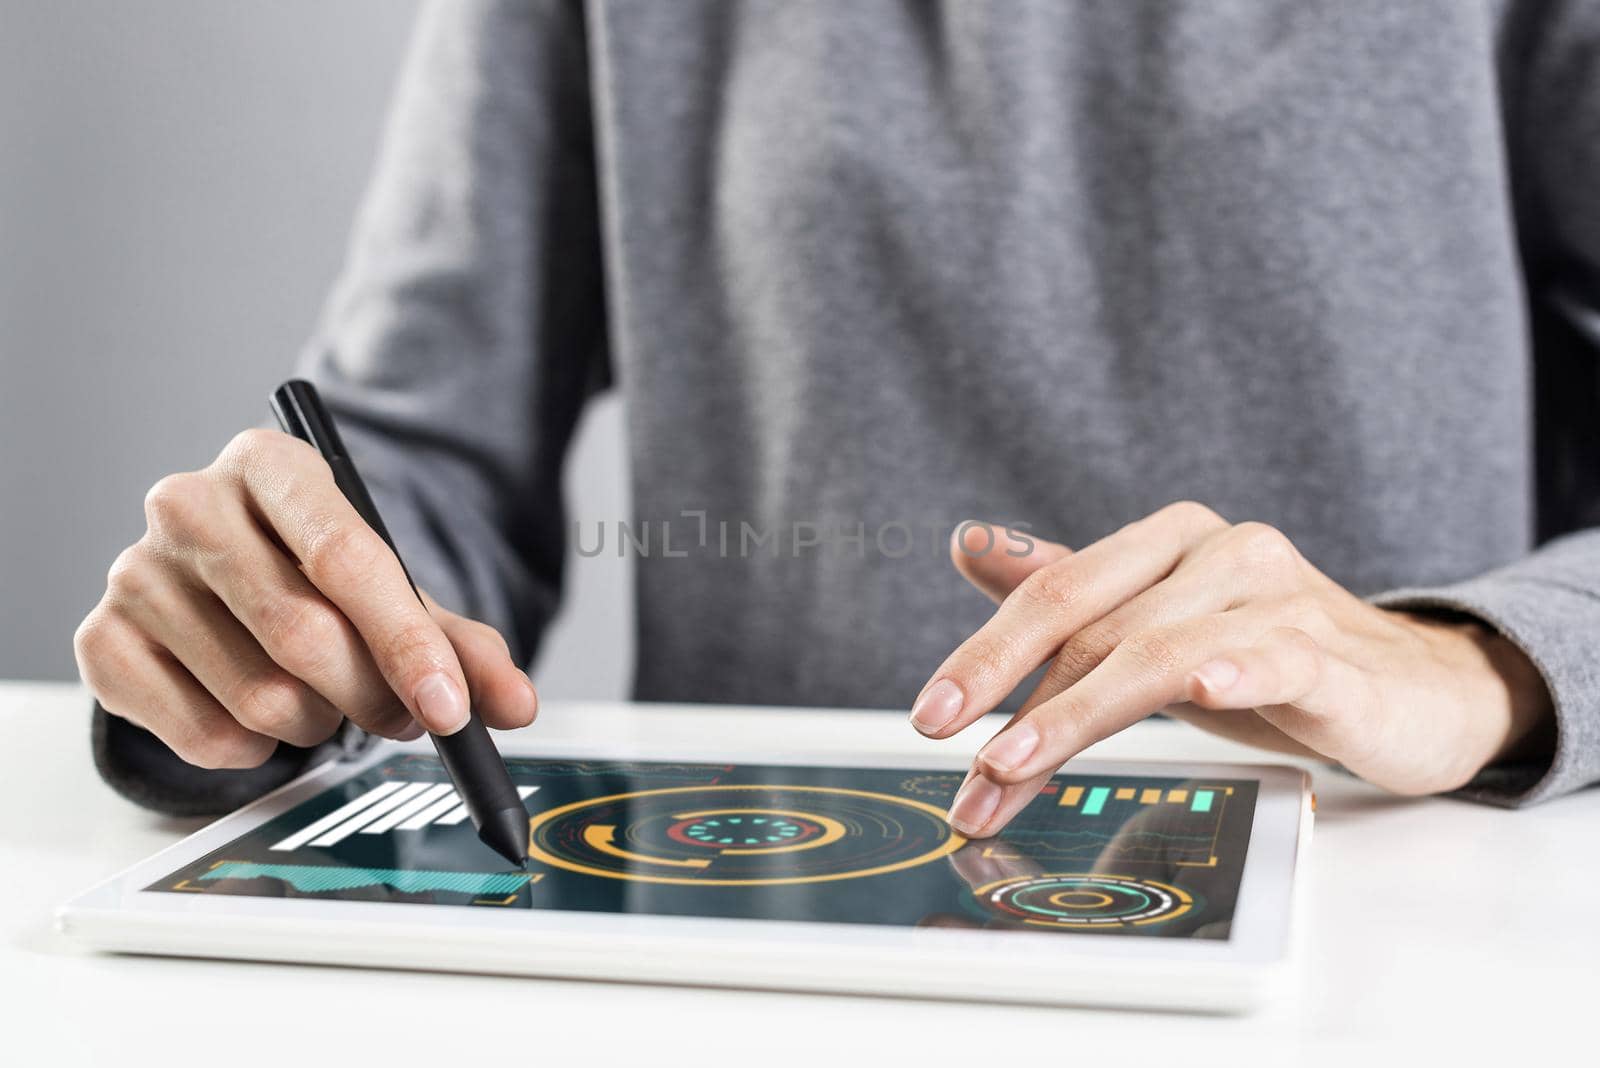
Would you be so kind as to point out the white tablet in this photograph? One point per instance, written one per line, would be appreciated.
(1153, 885)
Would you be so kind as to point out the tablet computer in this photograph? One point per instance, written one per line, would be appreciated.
(1133, 884)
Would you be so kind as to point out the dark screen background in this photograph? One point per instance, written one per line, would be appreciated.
(1133, 856)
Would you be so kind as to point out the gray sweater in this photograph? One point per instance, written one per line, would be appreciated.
(862, 270)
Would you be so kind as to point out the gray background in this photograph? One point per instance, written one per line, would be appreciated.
(177, 180)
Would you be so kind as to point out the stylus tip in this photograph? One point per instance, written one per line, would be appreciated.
(506, 832)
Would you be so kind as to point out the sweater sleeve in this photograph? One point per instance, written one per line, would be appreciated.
(468, 329)
(460, 343)
(1548, 606)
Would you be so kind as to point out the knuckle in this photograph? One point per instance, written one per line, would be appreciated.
(1157, 652)
(179, 504)
(1192, 515)
(254, 446)
(1082, 654)
(342, 555)
(1071, 664)
(270, 705)
(90, 636)
(1262, 546)
(1054, 586)
(130, 576)
(410, 651)
(981, 660)
(301, 633)
(224, 562)
(189, 742)
(216, 749)
(102, 646)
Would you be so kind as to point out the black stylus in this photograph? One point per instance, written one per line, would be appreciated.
(468, 755)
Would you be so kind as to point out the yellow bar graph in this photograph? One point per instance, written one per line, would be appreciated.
(1092, 801)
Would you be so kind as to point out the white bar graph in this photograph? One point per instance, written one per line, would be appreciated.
(409, 809)
(338, 816)
(433, 811)
(367, 815)
(454, 816)
(386, 808)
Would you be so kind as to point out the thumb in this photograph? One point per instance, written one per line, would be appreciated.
(501, 693)
(995, 558)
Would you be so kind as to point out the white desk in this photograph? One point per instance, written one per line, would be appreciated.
(1434, 928)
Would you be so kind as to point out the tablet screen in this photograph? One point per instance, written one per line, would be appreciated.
(1130, 856)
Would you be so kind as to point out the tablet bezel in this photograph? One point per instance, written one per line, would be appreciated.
(120, 914)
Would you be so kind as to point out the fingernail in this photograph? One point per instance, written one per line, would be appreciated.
(938, 705)
(1012, 749)
(533, 698)
(412, 732)
(1218, 675)
(974, 805)
(440, 705)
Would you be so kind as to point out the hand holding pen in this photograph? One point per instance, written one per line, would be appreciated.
(260, 606)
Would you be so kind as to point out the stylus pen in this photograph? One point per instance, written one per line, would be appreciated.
(468, 755)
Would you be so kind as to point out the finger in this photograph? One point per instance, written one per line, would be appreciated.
(288, 617)
(983, 806)
(1293, 683)
(294, 492)
(197, 527)
(1145, 673)
(1179, 599)
(1233, 566)
(1051, 604)
(216, 649)
(1167, 603)
(501, 693)
(133, 679)
(1285, 665)
(980, 863)
(996, 558)
(1244, 727)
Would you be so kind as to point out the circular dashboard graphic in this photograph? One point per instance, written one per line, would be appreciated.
(1084, 901)
(758, 835)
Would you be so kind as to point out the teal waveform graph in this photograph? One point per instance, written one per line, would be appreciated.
(315, 879)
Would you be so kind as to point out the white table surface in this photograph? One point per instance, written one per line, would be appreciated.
(1432, 928)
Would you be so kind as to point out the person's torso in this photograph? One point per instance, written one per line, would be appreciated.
(877, 268)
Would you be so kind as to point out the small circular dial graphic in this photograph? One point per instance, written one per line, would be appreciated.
(1084, 901)
(741, 835)
(751, 830)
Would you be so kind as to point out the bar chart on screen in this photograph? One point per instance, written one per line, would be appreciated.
(391, 807)
(1174, 824)
(1095, 798)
